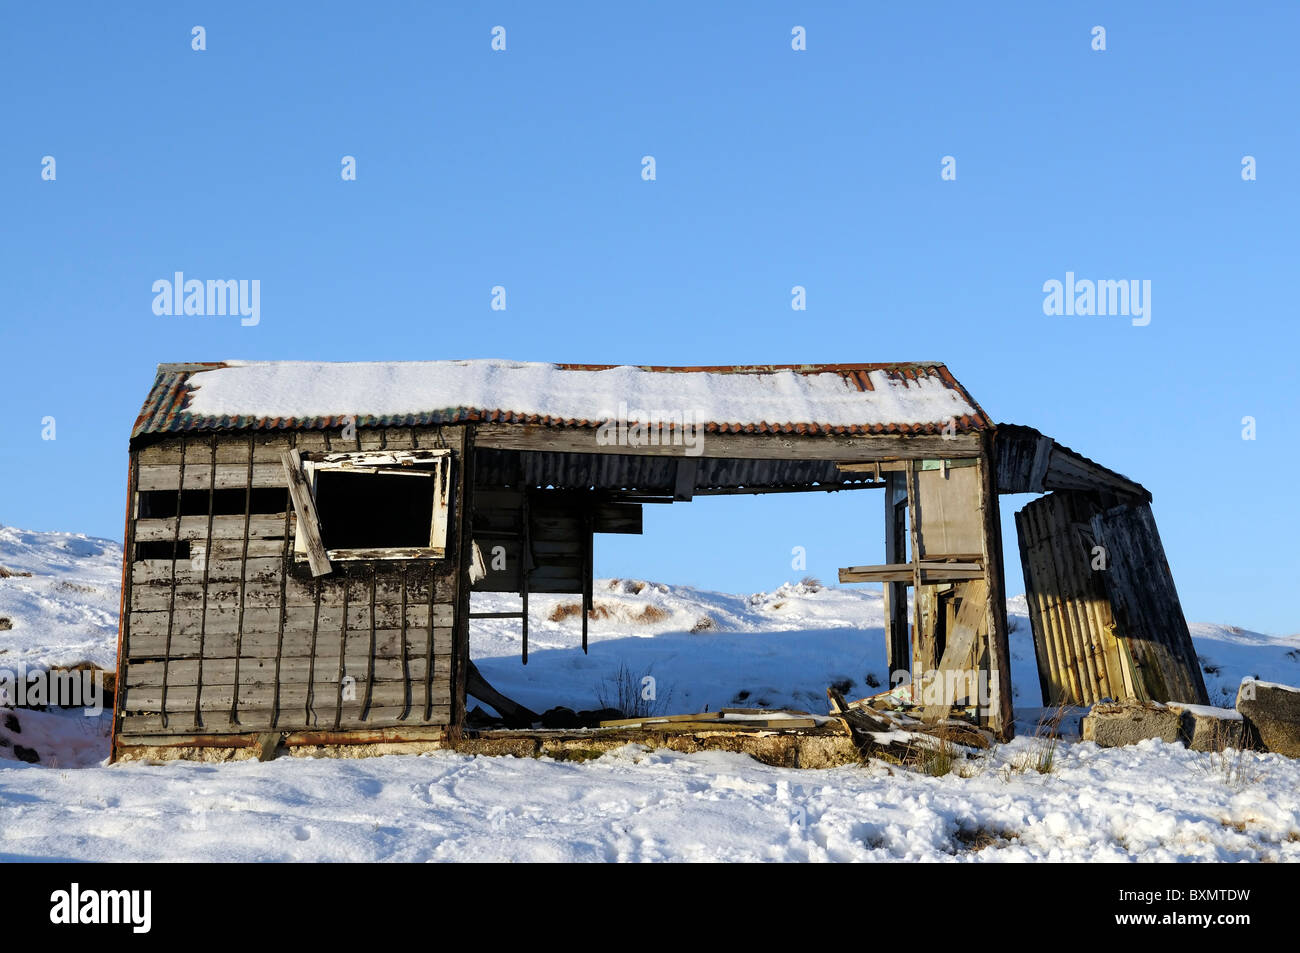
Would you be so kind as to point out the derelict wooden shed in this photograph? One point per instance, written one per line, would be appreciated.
(302, 538)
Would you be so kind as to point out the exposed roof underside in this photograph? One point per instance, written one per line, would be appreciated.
(920, 398)
(656, 475)
(1029, 461)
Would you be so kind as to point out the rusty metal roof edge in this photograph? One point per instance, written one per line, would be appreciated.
(806, 368)
(958, 386)
(162, 424)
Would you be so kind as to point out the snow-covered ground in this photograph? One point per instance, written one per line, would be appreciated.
(1153, 801)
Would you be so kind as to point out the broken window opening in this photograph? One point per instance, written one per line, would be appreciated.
(378, 505)
(374, 510)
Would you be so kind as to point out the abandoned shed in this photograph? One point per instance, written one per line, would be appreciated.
(302, 538)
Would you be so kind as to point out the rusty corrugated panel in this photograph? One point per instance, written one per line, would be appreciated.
(165, 409)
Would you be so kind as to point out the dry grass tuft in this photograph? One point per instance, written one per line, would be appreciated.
(978, 838)
(937, 758)
(1234, 766)
(626, 692)
(603, 610)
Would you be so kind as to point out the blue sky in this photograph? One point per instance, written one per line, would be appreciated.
(775, 168)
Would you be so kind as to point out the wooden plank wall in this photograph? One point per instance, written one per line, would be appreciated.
(245, 640)
(996, 653)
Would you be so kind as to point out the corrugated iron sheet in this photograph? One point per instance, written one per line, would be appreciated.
(166, 409)
(1028, 461)
(647, 474)
(1117, 633)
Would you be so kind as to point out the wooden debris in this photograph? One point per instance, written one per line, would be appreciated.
(725, 719)
(876, 732)
(512, 713)
(266, 744)
(657, 719)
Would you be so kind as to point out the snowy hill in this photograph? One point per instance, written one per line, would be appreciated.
(59, 598)
(1153, 801)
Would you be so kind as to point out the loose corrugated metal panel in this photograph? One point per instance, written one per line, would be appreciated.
(1104, 612)
(1079, 658)
(167, 408)
(1028, 461)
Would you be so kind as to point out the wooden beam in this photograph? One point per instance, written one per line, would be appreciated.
(900, 466)
(736, 445)
(759, 490)
(305, 508)
(684, 481)
(930, 572)
(512, 713)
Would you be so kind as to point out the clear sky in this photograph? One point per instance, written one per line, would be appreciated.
(774, 168)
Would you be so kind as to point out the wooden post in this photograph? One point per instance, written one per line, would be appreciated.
(171, 600)
(896, 642)
(588, 543)
(1001, 717)
(124, 602)
(243, 573)
(464, 550)
(525, 567)
(207, 561)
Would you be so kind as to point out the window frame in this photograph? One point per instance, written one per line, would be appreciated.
(401, 462)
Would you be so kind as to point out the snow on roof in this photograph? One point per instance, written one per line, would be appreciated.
(844, 398)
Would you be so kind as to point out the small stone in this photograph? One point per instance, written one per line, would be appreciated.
(1212, 729)
(1273, 713)
(1127, 723)
(560, 718)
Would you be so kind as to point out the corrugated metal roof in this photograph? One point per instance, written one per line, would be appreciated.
(170, 407)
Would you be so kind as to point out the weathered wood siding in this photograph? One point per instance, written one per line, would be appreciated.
(244, 639)
(1105, 614)
(1144, 600)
